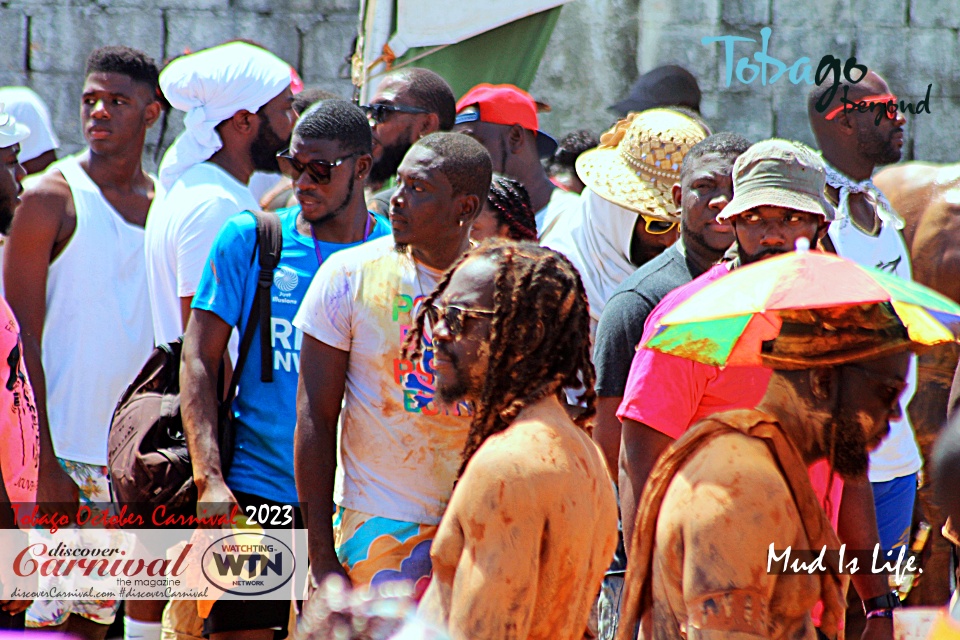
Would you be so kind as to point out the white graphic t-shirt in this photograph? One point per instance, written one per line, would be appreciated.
(399, 450)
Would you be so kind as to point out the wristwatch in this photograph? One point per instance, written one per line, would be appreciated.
(886, 602)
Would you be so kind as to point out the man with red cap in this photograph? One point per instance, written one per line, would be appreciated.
(503, 118)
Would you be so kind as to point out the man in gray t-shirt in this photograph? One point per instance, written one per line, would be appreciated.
(705, 189)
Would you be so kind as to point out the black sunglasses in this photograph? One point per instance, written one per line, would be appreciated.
(453, 317)
(318, 170)
(378, 113)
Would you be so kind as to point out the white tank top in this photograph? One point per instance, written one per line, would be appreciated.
(898, 455)
(98, 330)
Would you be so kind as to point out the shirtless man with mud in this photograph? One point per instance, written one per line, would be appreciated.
(927, 196)
(532, 523)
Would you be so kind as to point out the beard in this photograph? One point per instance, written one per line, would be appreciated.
(389, 162)
(766, 252)
(450, 391)
(265, 147)
(845, 436)
(872, 147)
(6, 218)
(334, 212)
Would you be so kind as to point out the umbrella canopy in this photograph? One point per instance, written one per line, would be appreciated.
(725, 322)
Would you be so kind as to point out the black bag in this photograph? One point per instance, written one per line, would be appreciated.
(147, 456)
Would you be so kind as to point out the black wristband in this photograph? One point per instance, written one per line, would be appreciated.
(886, 601)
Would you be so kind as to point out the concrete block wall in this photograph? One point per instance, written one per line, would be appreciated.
(604, 46)
(44, 43)
(597, 51)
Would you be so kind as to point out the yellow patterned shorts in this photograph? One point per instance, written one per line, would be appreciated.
(375, 550)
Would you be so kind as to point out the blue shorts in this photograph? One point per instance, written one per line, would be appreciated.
(894, 503)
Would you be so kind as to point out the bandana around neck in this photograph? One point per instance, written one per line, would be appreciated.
(846, 185)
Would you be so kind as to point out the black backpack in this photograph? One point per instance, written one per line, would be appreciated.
(147, 456)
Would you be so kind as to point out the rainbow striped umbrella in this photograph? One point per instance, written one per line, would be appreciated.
(725, 322)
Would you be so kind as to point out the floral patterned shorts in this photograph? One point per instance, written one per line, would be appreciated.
(94, 492)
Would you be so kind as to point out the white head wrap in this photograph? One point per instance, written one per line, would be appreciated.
(212, 85)
(596, 239)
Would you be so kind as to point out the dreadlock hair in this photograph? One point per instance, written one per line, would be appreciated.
(338, 120)
(428, 89)
(132, 63)
(511, 202)
(539, 337)
(309, 97)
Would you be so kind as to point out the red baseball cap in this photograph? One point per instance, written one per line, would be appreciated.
(504, 104)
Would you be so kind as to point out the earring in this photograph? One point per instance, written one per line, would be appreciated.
(461, 223)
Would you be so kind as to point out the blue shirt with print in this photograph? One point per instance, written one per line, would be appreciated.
(265, 412)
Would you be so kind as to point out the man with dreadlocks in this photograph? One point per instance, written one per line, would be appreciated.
(398, 450)
(506, 214)
(734, 489)
(532, 522)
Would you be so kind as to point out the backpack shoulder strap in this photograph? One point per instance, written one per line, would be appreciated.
(269, 244)
(270, 239)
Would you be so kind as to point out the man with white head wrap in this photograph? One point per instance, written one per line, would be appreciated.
(237, 99)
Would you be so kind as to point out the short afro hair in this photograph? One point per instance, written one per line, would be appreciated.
(464, 161)
(130, 62)
(309, 97)
(725, 143)
(569, 149)
(428, 90)
(338, 120)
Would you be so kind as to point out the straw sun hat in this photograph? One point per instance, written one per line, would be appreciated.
(638, 161)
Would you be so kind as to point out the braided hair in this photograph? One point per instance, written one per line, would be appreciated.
(509, 199)
(539, 337)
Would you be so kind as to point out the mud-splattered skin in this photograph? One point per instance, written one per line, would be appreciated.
(928, 197)
(528, 534)
(532, 523)
(717, 521)
(730, 501)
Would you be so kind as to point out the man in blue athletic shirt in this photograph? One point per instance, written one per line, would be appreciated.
(328, 160)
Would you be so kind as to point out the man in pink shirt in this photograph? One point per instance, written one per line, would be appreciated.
(19, 432)
(776, 202)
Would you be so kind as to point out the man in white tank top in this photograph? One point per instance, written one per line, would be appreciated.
(239, 115)
(76, 280)
(867, 231)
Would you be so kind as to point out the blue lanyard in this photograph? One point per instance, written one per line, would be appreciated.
(316, 243)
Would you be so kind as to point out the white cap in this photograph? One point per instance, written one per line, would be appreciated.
(29, 109)
(11, 131)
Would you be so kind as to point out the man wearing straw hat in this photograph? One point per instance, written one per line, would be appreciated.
(627, 215)
(735, 487)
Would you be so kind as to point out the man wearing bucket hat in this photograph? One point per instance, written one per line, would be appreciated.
(734, 489)
(503, 118)
(778, 200)
(626, 215)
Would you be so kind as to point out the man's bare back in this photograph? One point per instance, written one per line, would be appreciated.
(528, 534)
(928, 197)
(720, 515)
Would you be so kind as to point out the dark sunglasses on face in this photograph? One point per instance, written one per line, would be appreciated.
(378, 113)
(453, 317)
(318, 170)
